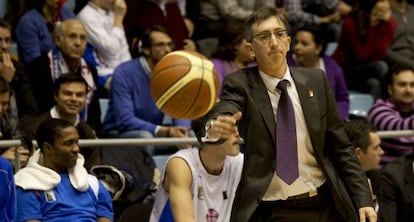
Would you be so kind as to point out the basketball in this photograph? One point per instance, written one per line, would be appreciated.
(184, 84)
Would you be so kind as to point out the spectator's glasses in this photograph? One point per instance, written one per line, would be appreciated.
(170, 45)
(264, 37)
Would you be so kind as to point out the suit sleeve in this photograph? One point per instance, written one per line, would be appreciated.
(339, 151)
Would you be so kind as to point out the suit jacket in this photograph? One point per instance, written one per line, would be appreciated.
(396, 191)
(245, 91)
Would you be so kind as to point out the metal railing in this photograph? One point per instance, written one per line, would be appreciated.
(127, 142)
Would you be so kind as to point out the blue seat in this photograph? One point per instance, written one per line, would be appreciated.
(103, 105)
(360, 103)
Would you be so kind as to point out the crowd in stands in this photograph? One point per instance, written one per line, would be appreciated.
(58, 58)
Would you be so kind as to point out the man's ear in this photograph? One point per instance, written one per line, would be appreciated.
(47, 148)
(358, 152)
(146, 51)
(250, 49)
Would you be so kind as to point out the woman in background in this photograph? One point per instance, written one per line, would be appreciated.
(232, 53)
(309, 51)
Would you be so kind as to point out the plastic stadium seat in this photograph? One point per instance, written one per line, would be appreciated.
(103, 105)
(360, 103)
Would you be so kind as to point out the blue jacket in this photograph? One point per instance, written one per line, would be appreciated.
(131, 106)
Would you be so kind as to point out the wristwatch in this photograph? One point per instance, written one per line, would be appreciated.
(208, 131)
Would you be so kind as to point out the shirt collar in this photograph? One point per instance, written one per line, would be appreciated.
(271, 82)
(54, 114)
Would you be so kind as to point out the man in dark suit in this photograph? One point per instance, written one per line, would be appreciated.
(396, 191)
(331, 184)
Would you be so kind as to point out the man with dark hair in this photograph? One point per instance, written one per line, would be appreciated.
(131, 111)
(9, 128)
(396, 113)
(299, 164)
(200, 183)
(70, 92)
(55, 186)
(22, 102)
(363, 135)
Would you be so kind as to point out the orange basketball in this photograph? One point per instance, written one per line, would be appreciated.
(184, 84)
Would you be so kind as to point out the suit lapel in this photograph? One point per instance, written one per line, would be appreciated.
(310, 106)
(261, 97)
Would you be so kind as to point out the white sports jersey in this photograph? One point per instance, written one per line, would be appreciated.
(213, 195)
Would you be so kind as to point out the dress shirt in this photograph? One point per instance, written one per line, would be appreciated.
(310, 174)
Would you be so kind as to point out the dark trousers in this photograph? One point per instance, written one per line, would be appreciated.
(319, 208)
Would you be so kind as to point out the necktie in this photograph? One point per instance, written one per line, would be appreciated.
(286, 146)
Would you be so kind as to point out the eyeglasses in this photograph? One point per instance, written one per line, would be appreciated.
(171, 45)
(264, 37)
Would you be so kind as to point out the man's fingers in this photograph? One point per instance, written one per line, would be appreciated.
(237, 116)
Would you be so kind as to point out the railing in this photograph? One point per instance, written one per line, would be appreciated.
(161, 141)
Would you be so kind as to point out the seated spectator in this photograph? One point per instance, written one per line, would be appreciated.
(7, 192)
(396, 113)
(70, 38)
(309, 47)
(132, 112)
(213, 16)
(103, 23)
(55, 186)
(401, 51)
(396, 190)
(363, 135)
(22, 102)
(321, 13)
(200, 183)
(70, 92)
(9, 129)
(361, 50)
(155, 12)
(33, 31)
(232, 53)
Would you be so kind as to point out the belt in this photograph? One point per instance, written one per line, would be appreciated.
(309, 194)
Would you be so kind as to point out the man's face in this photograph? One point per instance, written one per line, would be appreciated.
(71, 98)
(5, 40)
(270, 43)
(4, 103)
(402, 89)
(231, 146)
(65, 149)
(72, 42)
(371, 158)
(161, 45)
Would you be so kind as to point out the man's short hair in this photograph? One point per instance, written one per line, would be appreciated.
(69, 78)
(261, 15)
(146, 37)
(5, 25)
(198, 127)
(4, 86)
(358, 129)
(396, 70)
(49, 130)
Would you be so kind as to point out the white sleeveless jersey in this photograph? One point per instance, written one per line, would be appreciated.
(213, 195)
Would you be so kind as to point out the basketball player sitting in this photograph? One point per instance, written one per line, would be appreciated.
(200, 183)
